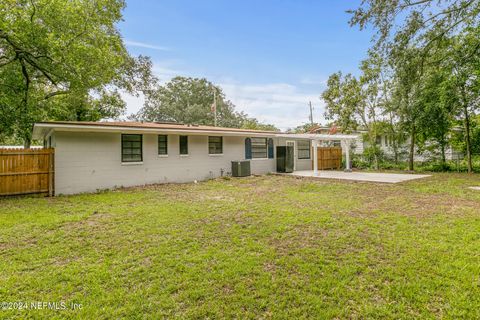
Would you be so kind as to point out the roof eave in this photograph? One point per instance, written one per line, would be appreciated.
(318, 136)
(41, 129)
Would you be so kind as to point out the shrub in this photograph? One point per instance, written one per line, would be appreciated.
(366, 161)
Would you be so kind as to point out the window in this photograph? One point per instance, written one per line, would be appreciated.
(259, 148)
(163, 145)
(303, 147)
(215, 145)
(132, 148)
(183, 144)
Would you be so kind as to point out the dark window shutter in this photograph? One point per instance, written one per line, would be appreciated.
(270, 148)
(248, 148)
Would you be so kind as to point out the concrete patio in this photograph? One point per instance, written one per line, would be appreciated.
(360, 176)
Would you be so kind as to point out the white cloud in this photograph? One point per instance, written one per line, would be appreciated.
(145, 45)
(166, 69)
(315, 81)
(281, 104)
(165, 73)
(134, 104)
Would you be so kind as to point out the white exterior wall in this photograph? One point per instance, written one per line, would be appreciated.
(304, 164)
(87, 162)
(301, 164)
(358, 145)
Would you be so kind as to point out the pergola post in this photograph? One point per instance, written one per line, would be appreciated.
(348, 167)
(315, 157)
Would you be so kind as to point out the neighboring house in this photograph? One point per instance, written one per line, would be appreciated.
(90, 156)
(384, 141)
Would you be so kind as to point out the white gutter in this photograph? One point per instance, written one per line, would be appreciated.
(315, 136)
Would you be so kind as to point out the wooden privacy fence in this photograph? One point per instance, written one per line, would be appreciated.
(24, 171)
(329, 158)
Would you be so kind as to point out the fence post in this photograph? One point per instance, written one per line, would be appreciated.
(50, 172)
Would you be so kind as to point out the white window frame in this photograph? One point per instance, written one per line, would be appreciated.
(168, 147)
(188, 146)
(208, 147)
(309, 150)
(266, 148)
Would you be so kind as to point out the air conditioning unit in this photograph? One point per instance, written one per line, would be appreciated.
(240, 168)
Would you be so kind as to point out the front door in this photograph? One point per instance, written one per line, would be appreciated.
(292, 145)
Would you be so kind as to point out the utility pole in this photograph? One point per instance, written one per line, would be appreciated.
(311, 112)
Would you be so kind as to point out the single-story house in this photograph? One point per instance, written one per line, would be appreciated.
(91, 156)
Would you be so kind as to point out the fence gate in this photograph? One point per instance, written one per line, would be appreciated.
(24, 171)
(329, 158)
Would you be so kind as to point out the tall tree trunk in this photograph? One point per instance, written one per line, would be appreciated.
(373, 145)
(27, 141)
(442, 149)
(468, 139)
(395, 147)
(24, 125)
(412, 148)
(394, 138)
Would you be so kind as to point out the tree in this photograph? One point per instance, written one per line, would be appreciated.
(189, 100)
(426, 22)
(392, 125)
(343, 101)
(254, 124)
(304, 128)
(351, 102)
(59, 57)
(407, 78)
(434, 58)
(465, 62)
(438, 100)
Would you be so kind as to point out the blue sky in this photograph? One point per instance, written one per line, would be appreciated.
(270, 57)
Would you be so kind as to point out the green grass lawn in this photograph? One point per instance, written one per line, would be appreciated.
(260, 247)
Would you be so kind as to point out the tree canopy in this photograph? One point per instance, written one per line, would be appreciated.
(421, 78)
(189, 100)
(421, 23)
(64, 60)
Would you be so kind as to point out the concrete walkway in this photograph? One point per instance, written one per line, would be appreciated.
(360, 176)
